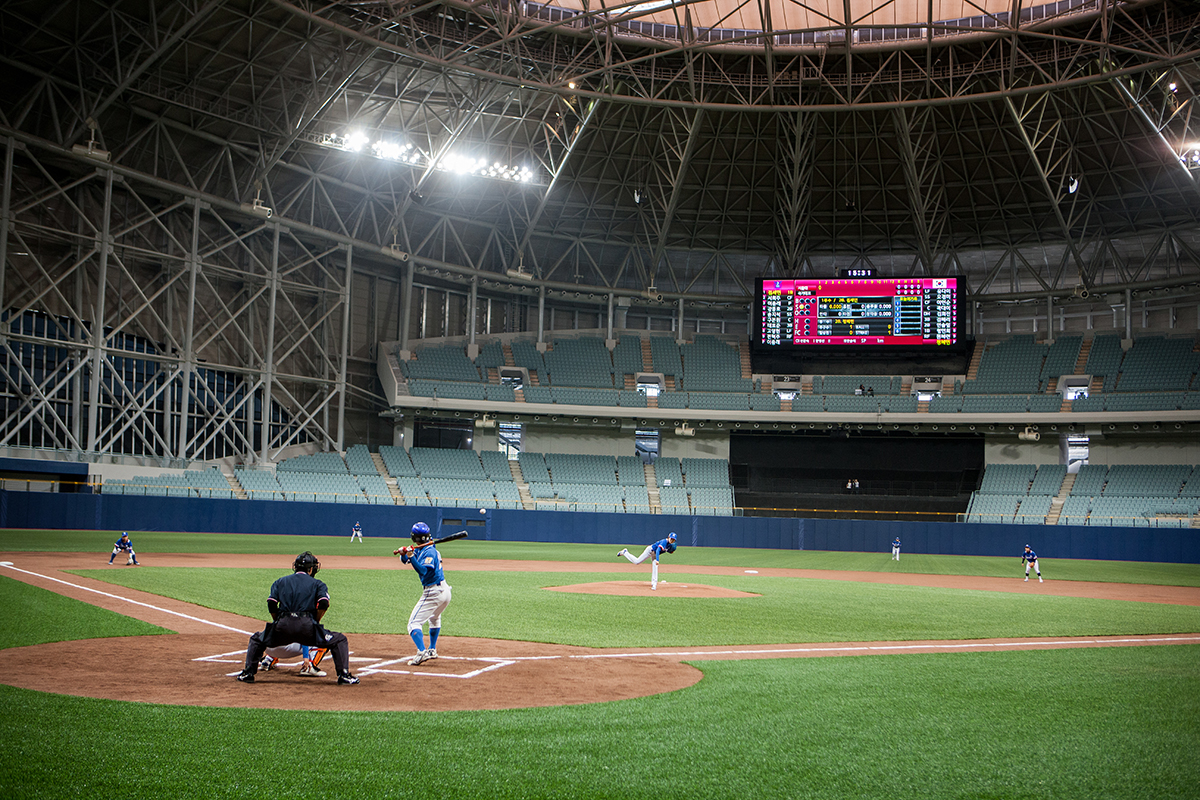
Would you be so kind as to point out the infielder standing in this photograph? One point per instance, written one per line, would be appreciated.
(356, 531)
(435, 592)
(896, 549)
(123, 545)
(1030, 559)
(656, 549)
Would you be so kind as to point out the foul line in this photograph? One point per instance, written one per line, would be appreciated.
(878, 647)
(9, 564)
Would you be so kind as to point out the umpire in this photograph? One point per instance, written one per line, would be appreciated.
(296, 603)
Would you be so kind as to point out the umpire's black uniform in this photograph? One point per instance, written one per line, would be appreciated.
(296, 604)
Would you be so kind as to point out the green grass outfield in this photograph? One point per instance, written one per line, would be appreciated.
(1096, 723)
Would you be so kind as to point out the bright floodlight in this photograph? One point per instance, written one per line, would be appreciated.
(388, 149)
(356, 141)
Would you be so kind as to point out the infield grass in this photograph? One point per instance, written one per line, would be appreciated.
(514, 605)
(149, 542)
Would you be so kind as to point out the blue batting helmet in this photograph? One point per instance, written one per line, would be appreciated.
(420, 533)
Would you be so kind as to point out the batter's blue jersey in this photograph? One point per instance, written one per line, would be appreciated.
(427, 561)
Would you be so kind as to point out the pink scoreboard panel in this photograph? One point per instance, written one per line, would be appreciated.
(859, 311)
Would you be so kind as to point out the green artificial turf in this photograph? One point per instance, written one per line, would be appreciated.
(37, 616)
(514, 605)
(149, 542)
(1100, 723)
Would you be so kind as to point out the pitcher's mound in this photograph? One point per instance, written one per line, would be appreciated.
(642, 589)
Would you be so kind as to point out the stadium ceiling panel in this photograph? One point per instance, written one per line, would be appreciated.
(1035, 147)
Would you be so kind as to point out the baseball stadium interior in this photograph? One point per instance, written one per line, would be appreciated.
(513, 260)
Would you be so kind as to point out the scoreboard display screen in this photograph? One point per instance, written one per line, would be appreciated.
(876, 312)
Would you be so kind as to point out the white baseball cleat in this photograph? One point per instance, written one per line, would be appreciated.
(309, 671)
(419, 658)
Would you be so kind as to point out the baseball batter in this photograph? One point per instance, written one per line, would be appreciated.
(424, 557)
(296, 604)
(666, 545)
(1030, 559)
(356, 531)
(896, 549)
(123, 545)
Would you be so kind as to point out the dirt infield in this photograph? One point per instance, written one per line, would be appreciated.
(196, 665)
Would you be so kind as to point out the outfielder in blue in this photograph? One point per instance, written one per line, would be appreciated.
(1030, 559)
(666, 545)
(424, 557)
(356, 531)
(896, 549)
(123, 545)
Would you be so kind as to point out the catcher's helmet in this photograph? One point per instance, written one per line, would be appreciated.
(306, 562)
(420, 533)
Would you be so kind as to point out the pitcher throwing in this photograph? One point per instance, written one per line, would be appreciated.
(656, 549)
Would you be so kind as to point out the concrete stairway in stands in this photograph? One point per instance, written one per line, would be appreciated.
(522, 487)
(652, 489)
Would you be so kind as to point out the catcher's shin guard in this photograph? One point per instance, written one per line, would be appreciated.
(318, 653)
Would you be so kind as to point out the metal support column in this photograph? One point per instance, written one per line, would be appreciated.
(5, 214)
(405, 314)
(541, 313)
(472, 309)
(269, 361)
(345, 351)
(610, 316)
(189, 351)
(1128, 313)
(1049, 319)
(98, 314)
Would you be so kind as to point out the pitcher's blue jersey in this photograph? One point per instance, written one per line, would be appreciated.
(662, 545)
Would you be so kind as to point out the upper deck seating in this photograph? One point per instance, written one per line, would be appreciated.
(579, 362)
(442, 363)
(1104, 359)
(627, 357)
(1013, 366)
(1155, 363)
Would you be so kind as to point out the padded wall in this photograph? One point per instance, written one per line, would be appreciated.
(119, 512)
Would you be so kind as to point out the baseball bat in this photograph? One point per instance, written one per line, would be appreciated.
(450, 538)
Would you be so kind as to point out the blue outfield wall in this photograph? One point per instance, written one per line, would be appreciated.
(122, 512)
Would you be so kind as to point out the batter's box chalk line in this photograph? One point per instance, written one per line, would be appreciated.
(368, 665)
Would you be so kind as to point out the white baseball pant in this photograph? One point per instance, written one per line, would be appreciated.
(429, 608)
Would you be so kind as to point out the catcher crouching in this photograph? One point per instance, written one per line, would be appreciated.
(296, 604)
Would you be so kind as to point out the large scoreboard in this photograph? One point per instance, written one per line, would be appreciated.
(874, 312)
